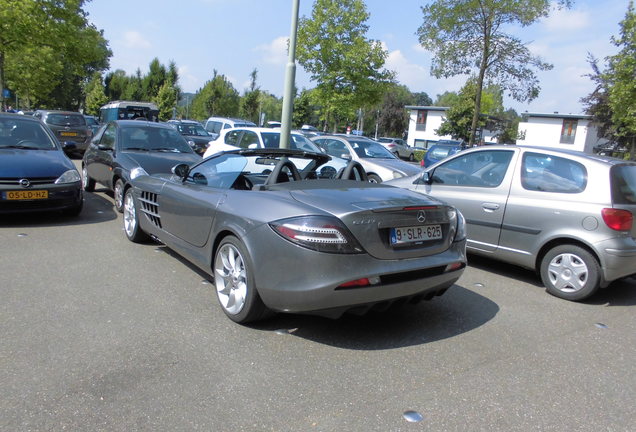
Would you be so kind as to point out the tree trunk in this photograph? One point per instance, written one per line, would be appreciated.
(480, 79)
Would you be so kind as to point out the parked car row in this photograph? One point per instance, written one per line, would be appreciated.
(566, 215)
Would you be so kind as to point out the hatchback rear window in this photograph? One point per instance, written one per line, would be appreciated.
(66, 120)
(623, 184)
(547, 173)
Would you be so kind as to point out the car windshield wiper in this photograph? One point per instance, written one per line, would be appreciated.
(136, 148)
(168, 149)
(23, 147)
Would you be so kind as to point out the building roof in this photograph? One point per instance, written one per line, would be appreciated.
(555, 115)
(428, 108)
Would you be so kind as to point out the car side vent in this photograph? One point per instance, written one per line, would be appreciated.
(150, 207)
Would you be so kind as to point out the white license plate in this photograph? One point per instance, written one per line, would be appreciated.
(415, 234)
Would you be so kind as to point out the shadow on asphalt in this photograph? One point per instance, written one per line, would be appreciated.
(620, 293)
(458, 311)
(97, 209)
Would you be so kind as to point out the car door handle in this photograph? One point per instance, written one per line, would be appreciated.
(490, 207)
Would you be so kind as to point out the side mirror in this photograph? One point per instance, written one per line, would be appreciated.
(181, 170)
(252, 146)
(346, 156)
(424, 178)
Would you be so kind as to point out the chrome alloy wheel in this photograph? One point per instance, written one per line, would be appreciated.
(230, 279)
(118, 194)
(130, 215)
(85, 179)
(568, 272)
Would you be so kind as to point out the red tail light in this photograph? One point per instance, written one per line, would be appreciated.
(422, 163)
(616, 219)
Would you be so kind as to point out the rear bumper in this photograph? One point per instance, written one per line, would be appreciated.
(310, 281)
(619, 260)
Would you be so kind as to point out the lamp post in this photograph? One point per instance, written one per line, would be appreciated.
(290, 75)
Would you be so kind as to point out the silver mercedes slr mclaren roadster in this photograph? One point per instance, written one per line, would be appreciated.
(275, 238)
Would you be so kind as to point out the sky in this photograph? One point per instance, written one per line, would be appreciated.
(234, 37)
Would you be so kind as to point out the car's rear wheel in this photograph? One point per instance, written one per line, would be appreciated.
(570, 272)
(118, 195)
(131, 219)
(88, 184)
(411, 157)
(234, 282)
(374, 178)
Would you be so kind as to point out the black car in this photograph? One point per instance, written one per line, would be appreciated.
(35, 173)
(124, 149)
(194, 132)
(68, 127)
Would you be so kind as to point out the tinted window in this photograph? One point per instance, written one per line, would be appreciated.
(108, 137)
(213, 126)
(26, 134)
(547, 173)
(153, 139)
(232, 137)
(249, 139)
(66, 120)
(370, 149)
(482, 169)
(624, 184)
(333, 147)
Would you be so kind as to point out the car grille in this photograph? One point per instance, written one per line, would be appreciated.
(150, 207)
(33, 181)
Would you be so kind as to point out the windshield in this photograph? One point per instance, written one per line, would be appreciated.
(370, 149)
(153, 139)
(66, 120)
(192, 129)
(27, 135)
(297, 142)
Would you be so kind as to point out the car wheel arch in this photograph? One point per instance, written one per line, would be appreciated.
(567, 241)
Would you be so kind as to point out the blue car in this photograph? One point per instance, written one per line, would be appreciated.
(441, 150)
(35, 173)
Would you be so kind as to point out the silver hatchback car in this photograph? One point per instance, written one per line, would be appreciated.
(566, 214)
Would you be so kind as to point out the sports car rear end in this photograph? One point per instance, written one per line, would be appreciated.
(382, 246)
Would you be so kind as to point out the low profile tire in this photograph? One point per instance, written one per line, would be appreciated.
(131, 219)
(570, 272)
(374, 178)
(88, 184)
(118, 195)
(234, 282)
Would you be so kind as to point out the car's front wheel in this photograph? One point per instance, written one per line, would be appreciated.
(118, 194)
(131, 219)
(570, 272)
(88, 184)
(374, 178)
(234, 282)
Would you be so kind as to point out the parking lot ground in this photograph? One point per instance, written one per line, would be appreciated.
(100, 334)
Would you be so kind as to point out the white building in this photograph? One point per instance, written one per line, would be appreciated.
(424, 120)
(571, 131)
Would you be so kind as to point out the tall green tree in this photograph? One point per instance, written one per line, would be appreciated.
(347, 67)
(458, 120)
(620, 77)
(469, 37)
(217, 97)
(251, 100)
(393, 118)
(95, 94)
(422, 99)
(154, 79)
(53, 35)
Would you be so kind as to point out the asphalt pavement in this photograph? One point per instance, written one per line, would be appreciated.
(100, 334)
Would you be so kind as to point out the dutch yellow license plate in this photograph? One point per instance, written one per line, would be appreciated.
(68, 133)
(27, 195)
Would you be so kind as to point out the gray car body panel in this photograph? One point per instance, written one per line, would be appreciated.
(192, 219)
(515, 225)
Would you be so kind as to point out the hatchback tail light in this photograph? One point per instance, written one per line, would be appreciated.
(617, 219)
(320, 233)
